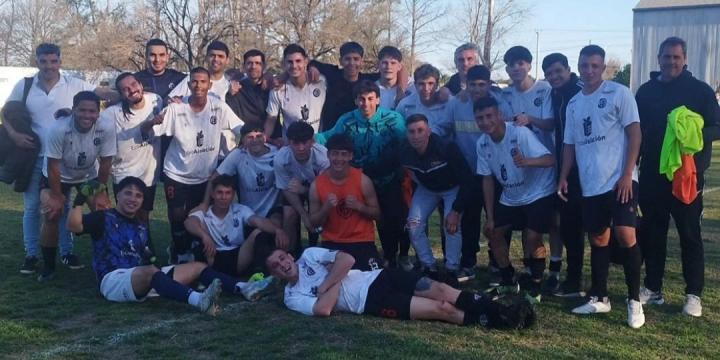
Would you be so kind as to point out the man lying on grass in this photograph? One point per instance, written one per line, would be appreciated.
(322, 281)
(123, 261)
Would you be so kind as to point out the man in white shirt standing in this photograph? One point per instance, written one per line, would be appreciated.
(79, 151)
(603, 135)
(297, 99)
(217, 58)
(196, 127)
(49, 92)
(296, 167)
(136, 156)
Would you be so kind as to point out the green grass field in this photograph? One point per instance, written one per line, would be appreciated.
(68, 319)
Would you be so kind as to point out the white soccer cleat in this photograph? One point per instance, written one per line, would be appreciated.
(594, 305)
(650, 297)
(209, 298)
(693, 306)
(636, 316)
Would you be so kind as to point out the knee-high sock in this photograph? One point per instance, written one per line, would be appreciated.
(599, 264)
(48, 254)
(228, 282)
(169, 288)
(632, 265)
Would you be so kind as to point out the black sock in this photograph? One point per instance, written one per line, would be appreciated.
(228, 282)
(169, 288)
(492, 259)
(470, 318)
(555, 265)
(632, 265)
(537, 268)
(470, 301)
(599, 264)
(507, 274)
(48, 254)
(527, 263)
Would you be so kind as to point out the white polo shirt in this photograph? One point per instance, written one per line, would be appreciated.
(42, 106)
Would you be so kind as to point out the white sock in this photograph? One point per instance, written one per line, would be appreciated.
(194, 298)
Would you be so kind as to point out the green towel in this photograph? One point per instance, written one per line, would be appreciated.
(683, 135)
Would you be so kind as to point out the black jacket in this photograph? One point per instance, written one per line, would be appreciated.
(440, 168)
(250, 105)
(17, 164)
(560, 98)
(160, 84)
(655, 100)
(454, 84)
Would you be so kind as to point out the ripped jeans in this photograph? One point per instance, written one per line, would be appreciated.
(424, 202)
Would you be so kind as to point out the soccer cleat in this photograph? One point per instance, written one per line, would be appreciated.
(46, 275)
(568, 290)
(552, 284)
(466, 274)
(29, 265)
(636, 317)
(405, 263)
(450, 277)
(494, 274)
(209, 299)
(255, 290)
(693, 306)
(72, 262)
(594, 305)
(650, 297)
(497, 292)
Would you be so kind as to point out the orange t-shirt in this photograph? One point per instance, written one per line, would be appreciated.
(344, 225)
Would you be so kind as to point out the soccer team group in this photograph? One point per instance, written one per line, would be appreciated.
(248, 159)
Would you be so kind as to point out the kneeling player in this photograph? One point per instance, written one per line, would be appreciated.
(524, 168)
(322, 281)
(228, 231)
(123, 262)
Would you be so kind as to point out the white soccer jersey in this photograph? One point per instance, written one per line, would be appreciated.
(136, 156)
(298, 104)
(389, 94)
(228, 233)
(596, 126)
(535, 102)
(521, 186)
(439, 115)
(79, 152)
(312, 271)
(287, 167)
(193, 152)
(256, 178)
(218, 89)
(42, 106)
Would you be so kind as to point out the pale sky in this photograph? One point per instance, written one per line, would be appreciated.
(564, 26)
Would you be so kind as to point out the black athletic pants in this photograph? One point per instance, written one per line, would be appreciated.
(571, 229)
(657, 205)
(391, 227)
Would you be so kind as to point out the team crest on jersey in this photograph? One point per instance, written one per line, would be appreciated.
(310, 271)
(260, 179)
(236, 222)
(342, 209)
(513, 152)
(81, 159)
(587, 126)
(199, 139)
(96, 141)
(602, 103)
(304, 112)
(503, 172)
(316, 92)
(225, 240)
(171, 85)
(538, 101)
(213, 120)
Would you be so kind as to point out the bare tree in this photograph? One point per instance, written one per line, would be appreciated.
(613, 65)
(487, 22)
(422, 16)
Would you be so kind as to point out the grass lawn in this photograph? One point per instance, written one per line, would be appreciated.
(68, 319)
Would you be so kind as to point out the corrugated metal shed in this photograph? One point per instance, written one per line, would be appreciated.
(696, 21)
